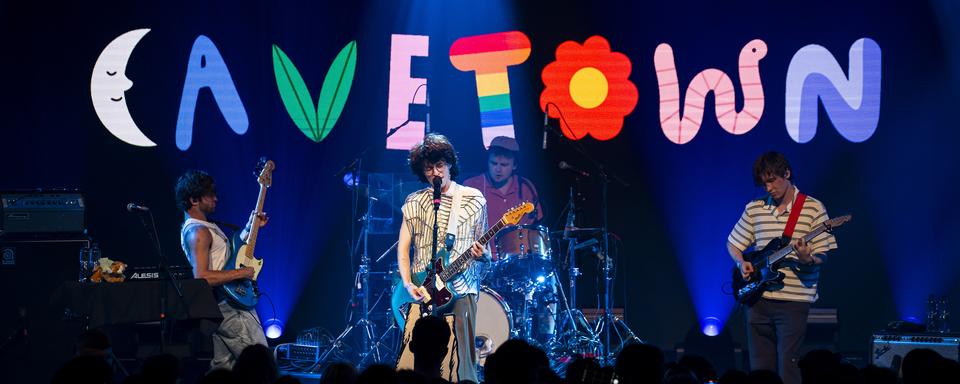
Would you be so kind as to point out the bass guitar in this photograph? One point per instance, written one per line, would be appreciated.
(434, 282)
(767, 262)
(243, 294)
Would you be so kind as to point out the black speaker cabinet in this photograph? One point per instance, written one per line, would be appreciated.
(34, 338)
(888, 349)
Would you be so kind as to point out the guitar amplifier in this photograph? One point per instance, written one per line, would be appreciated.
(889, 349)
(54, 212)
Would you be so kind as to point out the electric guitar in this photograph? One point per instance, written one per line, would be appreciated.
(434, 282)
(767, 261)
(243, 293)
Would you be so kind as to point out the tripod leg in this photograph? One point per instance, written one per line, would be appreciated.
(333, 346)
(368, 348)
(378, 345)
(630, 335)
(567, 309)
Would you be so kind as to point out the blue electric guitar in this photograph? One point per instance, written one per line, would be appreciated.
(243, 294)
(767, 262)
(434, 282)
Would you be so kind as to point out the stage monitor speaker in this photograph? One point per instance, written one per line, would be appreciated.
(889, 349)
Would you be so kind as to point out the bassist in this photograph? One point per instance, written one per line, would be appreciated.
(207, 249)
(777, 322)
(435, 158)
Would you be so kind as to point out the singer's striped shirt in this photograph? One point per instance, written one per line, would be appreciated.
(418, 214)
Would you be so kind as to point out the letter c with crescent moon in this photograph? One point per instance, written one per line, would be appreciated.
(108, 85)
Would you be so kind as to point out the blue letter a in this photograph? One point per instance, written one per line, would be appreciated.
(206, 68)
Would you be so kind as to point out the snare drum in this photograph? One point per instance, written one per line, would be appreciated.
(524, 250)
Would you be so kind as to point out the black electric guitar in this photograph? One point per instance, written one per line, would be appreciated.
(767, 261)
(243, 293)
(434, 283)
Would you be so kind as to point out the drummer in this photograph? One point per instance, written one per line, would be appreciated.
(504, 189)
(501, 185)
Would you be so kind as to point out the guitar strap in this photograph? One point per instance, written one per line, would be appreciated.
(794, 215)
(453, 222)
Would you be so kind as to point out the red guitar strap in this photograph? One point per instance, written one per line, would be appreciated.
(794, 215)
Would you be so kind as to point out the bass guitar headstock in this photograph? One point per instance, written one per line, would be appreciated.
(264, 172)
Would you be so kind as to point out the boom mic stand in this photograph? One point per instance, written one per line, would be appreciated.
(170, 278)
(607, 323)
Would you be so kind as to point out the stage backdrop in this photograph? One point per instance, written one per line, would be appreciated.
(676, 99)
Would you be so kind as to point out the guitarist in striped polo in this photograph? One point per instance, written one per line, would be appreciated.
(461, 214)
(777, 322)
(207, 248)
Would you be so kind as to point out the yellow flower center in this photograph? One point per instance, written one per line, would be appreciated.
(588, 87)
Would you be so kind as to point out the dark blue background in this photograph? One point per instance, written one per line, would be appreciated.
(673, 218)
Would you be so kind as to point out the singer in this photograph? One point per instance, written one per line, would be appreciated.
(206, 247)
(461, 219)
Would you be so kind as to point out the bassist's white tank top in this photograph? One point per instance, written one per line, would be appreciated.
(218, 245)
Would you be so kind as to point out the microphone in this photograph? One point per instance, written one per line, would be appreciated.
(546, 115)
(567, 166)
(136, 208)
(436, 193)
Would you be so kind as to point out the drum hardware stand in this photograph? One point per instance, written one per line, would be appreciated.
(528, 301)
(362, 282)
(573, 274)
(572, 315)
(375, 347)
(606, 324)
(372, 344)
(362, 279)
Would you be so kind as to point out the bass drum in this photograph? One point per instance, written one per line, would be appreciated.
(493, 323)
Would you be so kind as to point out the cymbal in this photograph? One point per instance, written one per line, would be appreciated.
(576, 231)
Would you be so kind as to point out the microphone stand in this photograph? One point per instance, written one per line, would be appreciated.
(170, 279)
(606, 323)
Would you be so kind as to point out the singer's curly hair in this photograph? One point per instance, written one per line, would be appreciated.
(432, 149)
(194, 184)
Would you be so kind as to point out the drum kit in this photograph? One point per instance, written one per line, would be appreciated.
(521, 295)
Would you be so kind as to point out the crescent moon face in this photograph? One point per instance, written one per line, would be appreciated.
(108, 84)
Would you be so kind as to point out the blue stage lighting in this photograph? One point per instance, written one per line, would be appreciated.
(274, 328)
(541, 279)
(711, 326)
